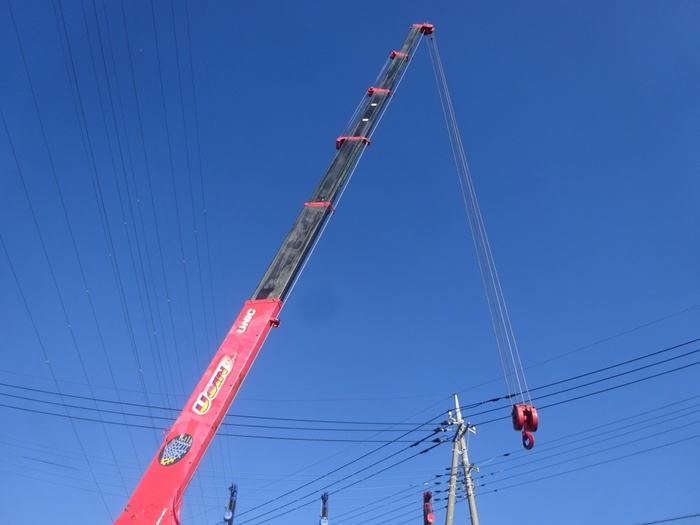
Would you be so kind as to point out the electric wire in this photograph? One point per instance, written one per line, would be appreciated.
(176, 197)
(675, 518)
(593, 372)
(47, 258)
(327, 486)
(620, 426)
(416, 426)
(156, 321)
(597, 464)
(136, 254)
(79, 107)
(208, 458)
(67, 221)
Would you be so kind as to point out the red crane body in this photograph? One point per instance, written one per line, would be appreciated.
(158, 497)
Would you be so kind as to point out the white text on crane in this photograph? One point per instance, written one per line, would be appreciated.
(246, 321)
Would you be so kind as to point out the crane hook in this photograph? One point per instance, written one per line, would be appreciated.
(525, 418)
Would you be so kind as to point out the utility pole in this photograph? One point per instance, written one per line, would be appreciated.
(460, 448)
(468, 467)
(231, 508)
(324, 509)
(453, 481)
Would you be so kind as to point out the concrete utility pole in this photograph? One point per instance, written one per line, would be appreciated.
(460, 447)
(453, 481)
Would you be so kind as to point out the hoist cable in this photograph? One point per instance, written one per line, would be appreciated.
(511, 364)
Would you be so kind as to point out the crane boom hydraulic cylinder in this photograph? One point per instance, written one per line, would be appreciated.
(157, 498)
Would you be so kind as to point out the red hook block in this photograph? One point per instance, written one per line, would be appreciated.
(525, 418)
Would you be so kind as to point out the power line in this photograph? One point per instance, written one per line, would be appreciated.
(666, 520)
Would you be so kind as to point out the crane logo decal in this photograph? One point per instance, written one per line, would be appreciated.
(203, 402)
(175, 449)
(246, 321)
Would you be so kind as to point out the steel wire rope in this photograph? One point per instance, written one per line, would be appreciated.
(475, 227)
(97, 188)
(498, 299)
(500, 318)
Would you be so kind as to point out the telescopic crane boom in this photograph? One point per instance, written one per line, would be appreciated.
(158, 497)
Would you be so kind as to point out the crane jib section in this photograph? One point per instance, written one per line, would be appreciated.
(157, 498)
(295, 248)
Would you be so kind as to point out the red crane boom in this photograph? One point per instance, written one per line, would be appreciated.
(158, 497)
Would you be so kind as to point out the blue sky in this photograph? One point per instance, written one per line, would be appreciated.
(581, 125)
